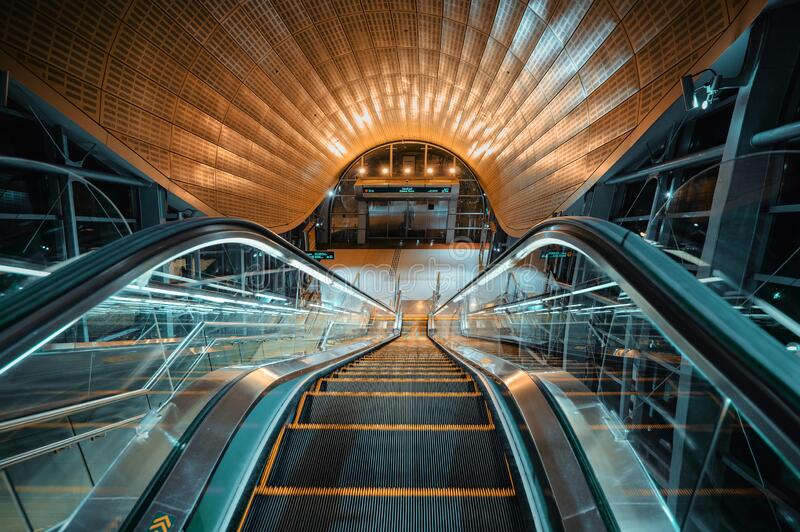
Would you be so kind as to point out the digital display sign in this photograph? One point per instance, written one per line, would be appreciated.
(320, 255)
(406, 190)
(555, 254)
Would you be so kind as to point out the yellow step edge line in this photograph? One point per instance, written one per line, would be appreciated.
(273, 455)
(403, 367)
(403, 361)
(396, 394)
(294, 491)
(396, 370)
(368, 373)
(300, 408)
(488, 413)
(508, 468)
(397, 427)
(394, 361)
(346, 379)
(407, 360)
(400, 365)
(404, 364)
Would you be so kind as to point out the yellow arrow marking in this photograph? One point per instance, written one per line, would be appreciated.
(162, 523)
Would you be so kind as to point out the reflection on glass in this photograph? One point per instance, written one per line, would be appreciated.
(752, 259)
(237, 303)
(666, 447)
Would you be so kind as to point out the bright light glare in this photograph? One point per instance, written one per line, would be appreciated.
(22, 271)
(35, 348)
(310, 271)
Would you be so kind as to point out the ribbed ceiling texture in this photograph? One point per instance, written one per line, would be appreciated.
(254, 107)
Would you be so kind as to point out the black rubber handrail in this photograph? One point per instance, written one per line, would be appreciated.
(740, 353)
(31, 316)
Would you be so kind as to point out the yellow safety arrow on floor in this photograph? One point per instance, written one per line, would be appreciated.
(162, 523)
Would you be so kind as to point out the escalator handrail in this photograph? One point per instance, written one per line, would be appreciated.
(33, 315)
(728, 348)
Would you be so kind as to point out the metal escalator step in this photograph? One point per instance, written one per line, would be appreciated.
(394, 410)
(334, 385)
(403, 375)
(390, 459)
(403, 367)
(400, 369)
(383, 514)
(405, 363)
(398, 364)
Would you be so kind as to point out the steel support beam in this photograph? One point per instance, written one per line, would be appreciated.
(735, 223)
(687, 161)
(63, 169)
(776, 135)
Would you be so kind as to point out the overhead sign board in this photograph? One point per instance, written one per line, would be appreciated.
(320, 255)
(406, 190)
(555, 254)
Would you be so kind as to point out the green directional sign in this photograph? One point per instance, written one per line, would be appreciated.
(320, 255)
(555, 254)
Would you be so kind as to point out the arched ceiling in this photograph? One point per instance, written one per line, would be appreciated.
(251, 108)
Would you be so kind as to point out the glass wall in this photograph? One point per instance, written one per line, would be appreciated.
(666, 445)
(233, 303)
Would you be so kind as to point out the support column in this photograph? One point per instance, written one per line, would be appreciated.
(734, 222)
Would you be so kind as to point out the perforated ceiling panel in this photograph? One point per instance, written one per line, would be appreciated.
(254, 107)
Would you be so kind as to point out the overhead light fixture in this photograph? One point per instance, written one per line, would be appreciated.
(362, 170)
(331, 193)
(384, 170)
(452, 169)
(406, 170)
(704, 95)
(430, 170)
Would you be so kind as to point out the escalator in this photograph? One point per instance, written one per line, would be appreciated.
(212, 377)
(400, 439)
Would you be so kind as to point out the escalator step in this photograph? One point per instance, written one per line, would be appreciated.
(407, 459)
(398, 364)
(382, 514)
(395, 441)
(402, 375)
(391, 410)
(339, 385)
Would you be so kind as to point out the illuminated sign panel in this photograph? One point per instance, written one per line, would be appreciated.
(406, 190)
(555, 254)
(320, 255)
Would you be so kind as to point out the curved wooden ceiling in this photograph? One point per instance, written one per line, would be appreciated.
(252, 108)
